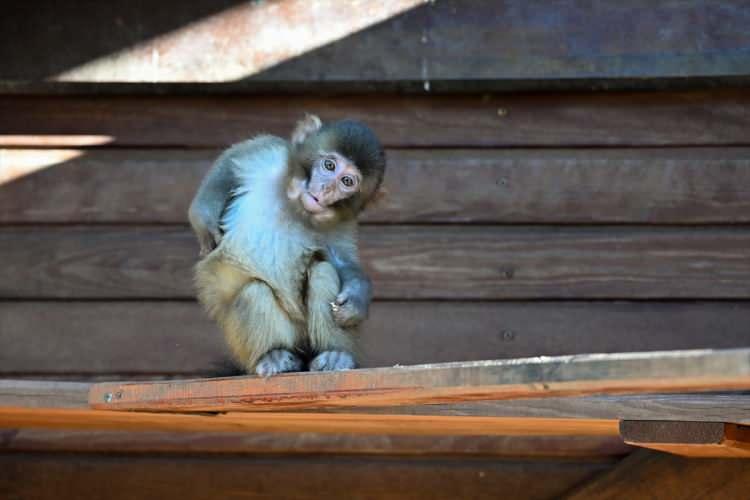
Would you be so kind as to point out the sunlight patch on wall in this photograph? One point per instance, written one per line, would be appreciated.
(238, 42)
(17, 163)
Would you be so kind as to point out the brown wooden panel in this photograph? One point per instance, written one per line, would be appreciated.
(308, 443)
(127, 339)
(458, 382)
(719, 117)
(513, 40)
(692, 439)
(88, 477)
(414, 262)
(647, 474)
(676, 186)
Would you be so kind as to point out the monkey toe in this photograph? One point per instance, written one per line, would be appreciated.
(332, 360)
(278, 361)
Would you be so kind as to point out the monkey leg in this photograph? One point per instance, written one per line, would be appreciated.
(260, 333)
(332, 344)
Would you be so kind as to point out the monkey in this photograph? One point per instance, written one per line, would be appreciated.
(276, 222)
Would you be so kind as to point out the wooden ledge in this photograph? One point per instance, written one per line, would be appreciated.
(625, 373)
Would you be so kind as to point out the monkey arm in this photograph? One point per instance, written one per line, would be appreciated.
(353, 301)
(208, 205)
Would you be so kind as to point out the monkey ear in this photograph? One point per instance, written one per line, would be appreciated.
(305, 127)
(378, 197)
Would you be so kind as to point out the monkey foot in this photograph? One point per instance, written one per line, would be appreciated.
(332, 360)
(278, 361)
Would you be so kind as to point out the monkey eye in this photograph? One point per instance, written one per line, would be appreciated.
(347, 181)
(329, 165)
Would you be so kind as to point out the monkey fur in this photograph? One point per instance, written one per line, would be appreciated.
(276, 223)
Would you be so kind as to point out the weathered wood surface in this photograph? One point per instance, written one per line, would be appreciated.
(122, 340)
(300, 422)
(512, 41)
(29, 440)
(39, 476)
(659, 476)
(586, 374)
(47, 394)
(716, 117)
(691, 439)
(412, 262)
(672, 186)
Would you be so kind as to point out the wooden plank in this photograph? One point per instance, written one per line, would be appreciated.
(674, 186)
(514, 41)
(123, 340)
(647, 474)
(405, 262)
(715, 117)
(38, 476)
(725, 407)
(36, 440)
(691, 439)
(296, 422)
(586, 374)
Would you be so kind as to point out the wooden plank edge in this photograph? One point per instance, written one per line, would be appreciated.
(326, 423)
(689, 439)
(622, 373)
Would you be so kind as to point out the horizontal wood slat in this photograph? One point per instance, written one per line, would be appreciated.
(674, 186)
(406, 262)
(177, 338)
(578, 375)
(39, 476)
(716, 117)
(309, 443)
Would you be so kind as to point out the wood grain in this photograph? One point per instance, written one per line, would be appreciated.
(586, 374)
(691, 439)
(297, 422)
(128, 339)
(39, 476)
(405, 262)
(647, 474)
(36, 440)
(673, 186)
(715, 117)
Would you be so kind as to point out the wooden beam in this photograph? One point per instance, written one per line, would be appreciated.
(669, 371)
(518, 186)
(176, 443)
(691, 439)
(649, 474)
(700, 118)
(412, 425)
(405, 262)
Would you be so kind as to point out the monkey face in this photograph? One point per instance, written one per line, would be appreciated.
(333, 178)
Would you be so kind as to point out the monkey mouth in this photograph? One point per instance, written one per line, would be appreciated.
(311, 203)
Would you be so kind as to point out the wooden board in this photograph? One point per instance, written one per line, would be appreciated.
(716, 117)
(29, 440)
(405, 262)
(674, 186)
(38, 476)
(647, 474)
(122, 340)
(512, 42)
(667, 371)
(300, 422)
(692, 439)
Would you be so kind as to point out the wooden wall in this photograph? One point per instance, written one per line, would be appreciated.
(608, 213)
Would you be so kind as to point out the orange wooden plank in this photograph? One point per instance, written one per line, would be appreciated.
(692, 439)
(623, 373)
(65, 418)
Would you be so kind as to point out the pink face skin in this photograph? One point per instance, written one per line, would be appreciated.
(332, 178)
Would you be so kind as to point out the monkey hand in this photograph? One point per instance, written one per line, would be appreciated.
(350, 307)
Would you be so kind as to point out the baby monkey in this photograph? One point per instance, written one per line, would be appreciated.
(277, 222)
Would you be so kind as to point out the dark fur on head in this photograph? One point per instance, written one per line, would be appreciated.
(358, 143)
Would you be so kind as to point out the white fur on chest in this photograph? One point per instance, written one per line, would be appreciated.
(259, 230)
